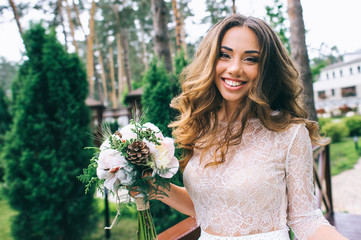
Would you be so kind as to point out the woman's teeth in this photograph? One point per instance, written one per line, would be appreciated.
(233, 83)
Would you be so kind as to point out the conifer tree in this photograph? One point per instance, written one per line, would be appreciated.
(155, 101)
(5, 120)
(44, 150)
(157, 96)
(5, 117)
(180, 62)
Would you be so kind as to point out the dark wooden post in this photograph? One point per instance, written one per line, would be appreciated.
(328, 178)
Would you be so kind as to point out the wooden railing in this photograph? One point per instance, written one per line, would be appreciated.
(188, 229)
(322, 177)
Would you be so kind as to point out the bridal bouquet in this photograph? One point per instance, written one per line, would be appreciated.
(139, 158)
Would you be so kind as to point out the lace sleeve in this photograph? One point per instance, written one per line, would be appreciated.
(303, 217)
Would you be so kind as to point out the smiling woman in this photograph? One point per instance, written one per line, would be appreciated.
(237, 66)
(248, 153)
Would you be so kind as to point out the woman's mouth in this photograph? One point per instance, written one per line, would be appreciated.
(234, 84)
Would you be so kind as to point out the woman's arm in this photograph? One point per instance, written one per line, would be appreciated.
(327, 232)
(304, 216)
(179, 199)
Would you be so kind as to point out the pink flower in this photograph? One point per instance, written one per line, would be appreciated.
(114, 168)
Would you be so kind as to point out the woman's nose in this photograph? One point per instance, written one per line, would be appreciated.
(235, 68)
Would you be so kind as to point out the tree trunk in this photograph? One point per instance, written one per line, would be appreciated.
(144, 48)
(123, 31)
(234, 6)
(103, 74)
(90, 57)
(178, 25)
(183, 37)
(76, 10)
(60, 10)
(71, 25)
(300, 55)
(121, 77)
(16, 15)
(112, 77)
(161, 39)
(124, 38)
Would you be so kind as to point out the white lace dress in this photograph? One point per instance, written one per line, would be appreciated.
(264, 186)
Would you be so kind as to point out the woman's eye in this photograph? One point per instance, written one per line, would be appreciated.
(224, 55)
(251, 59)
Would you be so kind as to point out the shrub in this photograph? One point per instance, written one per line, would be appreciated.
(336, 131)
(323, 121)
(5, 120)
(44, 149)
(354, 125)
(157, 96)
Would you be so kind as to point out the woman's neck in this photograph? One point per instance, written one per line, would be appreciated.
(227, 110)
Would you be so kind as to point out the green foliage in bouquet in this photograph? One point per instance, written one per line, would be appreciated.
(43, 152)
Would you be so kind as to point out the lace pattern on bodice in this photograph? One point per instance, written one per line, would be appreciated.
(265, 184)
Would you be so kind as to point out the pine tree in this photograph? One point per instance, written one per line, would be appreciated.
(157, 96)
(5, 120)
(180, 62)
(155, 101)
(43, 151)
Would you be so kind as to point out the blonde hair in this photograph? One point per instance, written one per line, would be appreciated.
(276, 88)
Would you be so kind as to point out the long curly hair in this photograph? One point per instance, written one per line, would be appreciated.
(277, 88)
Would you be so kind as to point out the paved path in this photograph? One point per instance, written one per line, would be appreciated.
(346, 190)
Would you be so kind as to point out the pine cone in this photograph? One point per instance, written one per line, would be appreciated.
(138, 153)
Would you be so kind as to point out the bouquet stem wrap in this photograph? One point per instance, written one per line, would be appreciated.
(146, 228)
(141, 204)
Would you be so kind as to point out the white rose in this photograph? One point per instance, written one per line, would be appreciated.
(127, 132)
(105, 145)
(166, 164)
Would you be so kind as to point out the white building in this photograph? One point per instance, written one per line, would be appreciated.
(339, 85)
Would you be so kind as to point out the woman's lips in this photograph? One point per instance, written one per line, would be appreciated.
(232, 84)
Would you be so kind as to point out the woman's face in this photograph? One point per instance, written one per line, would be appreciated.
(237, 66)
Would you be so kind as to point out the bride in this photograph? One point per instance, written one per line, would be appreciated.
(247, 142)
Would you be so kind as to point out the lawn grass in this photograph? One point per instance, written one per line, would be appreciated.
(343, 155)
(125, 229)
(6, 212)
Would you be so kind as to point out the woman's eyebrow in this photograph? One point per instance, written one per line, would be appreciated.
(227, 48)
(251, 51)
(248, 51)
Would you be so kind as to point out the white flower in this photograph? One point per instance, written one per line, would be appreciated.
(114, 168)
(127, 132)
(165, 163)
(105, 145)
(154, 128)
